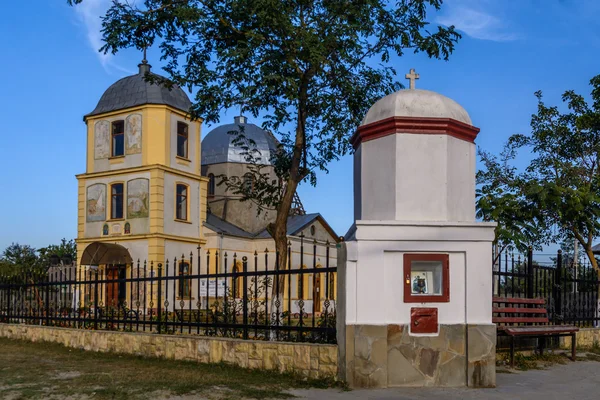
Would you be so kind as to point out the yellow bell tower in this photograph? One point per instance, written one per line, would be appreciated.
(142, 189)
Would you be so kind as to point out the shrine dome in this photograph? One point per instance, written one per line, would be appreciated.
(219, 145)
(416, 103)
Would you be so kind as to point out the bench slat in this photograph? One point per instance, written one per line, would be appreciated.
(519, 310)
(514, 300)
(519, 320)
(540, 330)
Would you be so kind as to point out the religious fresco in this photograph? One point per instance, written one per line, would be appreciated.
(96, 202)
(133, 134)
(138, 198)
(101, 140)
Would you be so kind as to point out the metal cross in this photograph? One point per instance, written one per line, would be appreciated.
(412, 77)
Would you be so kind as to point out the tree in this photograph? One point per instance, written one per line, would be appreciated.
(560, 188)
(17, 257)
(67, 249)
(311, 68)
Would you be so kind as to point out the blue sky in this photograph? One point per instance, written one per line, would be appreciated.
(53, 75)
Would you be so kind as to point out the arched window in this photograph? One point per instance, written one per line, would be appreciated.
(116, 201)
(300, 288)
(238, 283)
(248, 182)
(211, 184)
(181, 202)
(332, 285)
(118, 138)
(185, 290)
(182, 140)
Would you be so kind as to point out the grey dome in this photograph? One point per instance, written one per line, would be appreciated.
(134, 91)
(217, 146)
(416, 103)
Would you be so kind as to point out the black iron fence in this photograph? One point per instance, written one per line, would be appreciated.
(207, 294)
(569, 286)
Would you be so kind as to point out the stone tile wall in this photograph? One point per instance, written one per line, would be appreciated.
(387, 356)
(586, 337)
(311, 360)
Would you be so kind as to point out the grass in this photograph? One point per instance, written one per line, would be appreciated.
(43, 370)
(534, 361)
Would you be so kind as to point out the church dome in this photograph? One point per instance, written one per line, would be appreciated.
(416, 103)
(134, 91)
(218, 146)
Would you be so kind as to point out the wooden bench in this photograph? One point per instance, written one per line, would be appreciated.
(528, 317)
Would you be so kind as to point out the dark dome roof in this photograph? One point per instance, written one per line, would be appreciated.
(135, 91)
(218, 146)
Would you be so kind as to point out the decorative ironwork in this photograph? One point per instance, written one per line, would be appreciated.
(569, 286)
(238, 297)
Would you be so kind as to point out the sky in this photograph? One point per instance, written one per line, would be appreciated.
(53, 74)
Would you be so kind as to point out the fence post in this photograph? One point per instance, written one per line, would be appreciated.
(96, 301)
(47, 300)
(159, 303)
(245, 296)
(8, 283)
(558, 287)
(530, 273)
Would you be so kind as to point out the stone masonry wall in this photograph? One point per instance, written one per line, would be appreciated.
(311, 360)
(586, 337)
(387, 356)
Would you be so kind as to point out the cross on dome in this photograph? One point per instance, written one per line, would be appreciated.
(412, 77)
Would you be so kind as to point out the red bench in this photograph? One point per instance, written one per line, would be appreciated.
(528, 317)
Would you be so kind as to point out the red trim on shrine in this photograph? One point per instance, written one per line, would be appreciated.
(414, 125)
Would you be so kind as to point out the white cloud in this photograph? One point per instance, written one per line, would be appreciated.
(89, 13)
(470, 18)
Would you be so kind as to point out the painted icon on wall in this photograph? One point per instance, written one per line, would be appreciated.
(96, 202)
(101, 140)
(138, 198)
(133, 133)
(127, 228)
(420, 282)
(105, 230)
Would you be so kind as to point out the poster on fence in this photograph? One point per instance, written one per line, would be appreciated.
(212, 288)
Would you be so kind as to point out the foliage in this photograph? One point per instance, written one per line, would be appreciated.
(311, 68)
(66, 249)
(559, 190)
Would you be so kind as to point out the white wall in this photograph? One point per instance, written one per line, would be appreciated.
(374, 271)
(412, 177)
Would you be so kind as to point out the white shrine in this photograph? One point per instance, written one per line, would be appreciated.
(415, 297)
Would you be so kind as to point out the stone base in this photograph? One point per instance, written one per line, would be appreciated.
(388, 356)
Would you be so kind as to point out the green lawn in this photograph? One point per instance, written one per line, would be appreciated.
(43, 370)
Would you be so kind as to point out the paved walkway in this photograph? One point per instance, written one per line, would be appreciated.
(578, 381)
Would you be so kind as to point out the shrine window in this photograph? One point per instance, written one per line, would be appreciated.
(426, 278)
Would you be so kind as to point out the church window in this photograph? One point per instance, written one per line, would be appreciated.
(181, 201)
(182, 140)
(248, 183)
(185, 290)
(300, 289)
(211, 184)
(116, 203)
(332, 285)
(118, 138)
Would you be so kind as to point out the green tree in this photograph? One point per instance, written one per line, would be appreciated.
(17, 257)
(311, 68)
(559, 190)
(67, 249)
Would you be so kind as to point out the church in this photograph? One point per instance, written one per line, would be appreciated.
(151, 192)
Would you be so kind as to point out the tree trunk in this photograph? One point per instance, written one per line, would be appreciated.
(278, 230)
